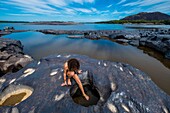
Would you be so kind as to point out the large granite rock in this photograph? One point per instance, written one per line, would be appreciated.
(12, 57)
(115, 87)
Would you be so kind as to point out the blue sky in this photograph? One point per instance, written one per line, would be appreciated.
(77, 10)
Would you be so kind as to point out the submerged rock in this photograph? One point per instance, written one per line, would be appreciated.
(12, 57)
(115, 87)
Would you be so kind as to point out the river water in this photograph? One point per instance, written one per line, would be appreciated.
(39, 45)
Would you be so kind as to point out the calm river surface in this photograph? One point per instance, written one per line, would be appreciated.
(39, 45)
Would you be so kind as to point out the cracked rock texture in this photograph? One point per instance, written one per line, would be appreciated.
(12, 57)
(122, 88)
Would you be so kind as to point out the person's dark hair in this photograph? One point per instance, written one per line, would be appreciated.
(73, 65)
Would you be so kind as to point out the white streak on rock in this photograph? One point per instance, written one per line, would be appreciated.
(27, 72)
(125, 108)
(105, 64)
(101, 98)
(62, 70)
(2, 61)
(130, 73)
(141, 77)
(112, 108)
(54, 72)
(147, 109)
(115, 66)
(113, 86)
(59, 77)
(13, 80)
(99, 63)
(59, 97)
(67, 56)
(121, 68)
(2, 80)
(165, 110)
(39, 63)
(59, 56)
(27, 56)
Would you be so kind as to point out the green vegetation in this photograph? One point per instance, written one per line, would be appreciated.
(166, 22)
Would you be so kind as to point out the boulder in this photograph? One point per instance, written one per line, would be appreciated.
(157, 45)
(134, 42)
(12, 57)
(142, 41)
(112, 86)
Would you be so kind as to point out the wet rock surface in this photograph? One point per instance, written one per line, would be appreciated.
(121, 88)
(157, 39)
(12, 57)
(7, 32)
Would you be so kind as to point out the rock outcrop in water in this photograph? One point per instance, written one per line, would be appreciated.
(12, 57)
(157, 39)
(115, 87)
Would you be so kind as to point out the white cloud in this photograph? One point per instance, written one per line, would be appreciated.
(32, 6)
(122, 1)
(152, 2)
(123, 12)
(82, 1)
(83, 10)
(165, 7)
(48, 6)
(106, 11)
(109, 5)
(21, 14)
(70, 11)
(94, 9)
(57, 3)
(146, 2)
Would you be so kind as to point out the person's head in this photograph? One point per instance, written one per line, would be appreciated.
(73, 65)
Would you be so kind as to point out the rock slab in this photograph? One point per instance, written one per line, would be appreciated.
(122, 88)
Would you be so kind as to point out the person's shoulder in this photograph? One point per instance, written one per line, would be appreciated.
(65, 65)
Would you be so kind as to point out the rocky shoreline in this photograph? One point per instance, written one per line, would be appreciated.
(112, 87)
(12, 57)
(156, 39)
(119, 88)
(9, 32)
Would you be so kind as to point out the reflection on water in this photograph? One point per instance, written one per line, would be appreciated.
(157, 55)
(14, 99)
(39, 45)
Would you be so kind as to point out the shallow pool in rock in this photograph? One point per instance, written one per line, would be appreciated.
(39, 45)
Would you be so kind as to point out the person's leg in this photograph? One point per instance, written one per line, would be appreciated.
(70, 74)
(69, 81)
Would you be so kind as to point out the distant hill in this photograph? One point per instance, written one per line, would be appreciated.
(148, 16)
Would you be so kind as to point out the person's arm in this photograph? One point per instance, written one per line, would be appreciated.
(80, 86)
(65, 69)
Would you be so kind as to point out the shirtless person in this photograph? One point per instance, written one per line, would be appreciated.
(71, 69)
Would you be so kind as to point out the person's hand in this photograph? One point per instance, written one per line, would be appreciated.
(64, 84)
(79, 71)
(86, 97)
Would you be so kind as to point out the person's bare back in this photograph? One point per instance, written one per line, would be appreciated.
(71, 69)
